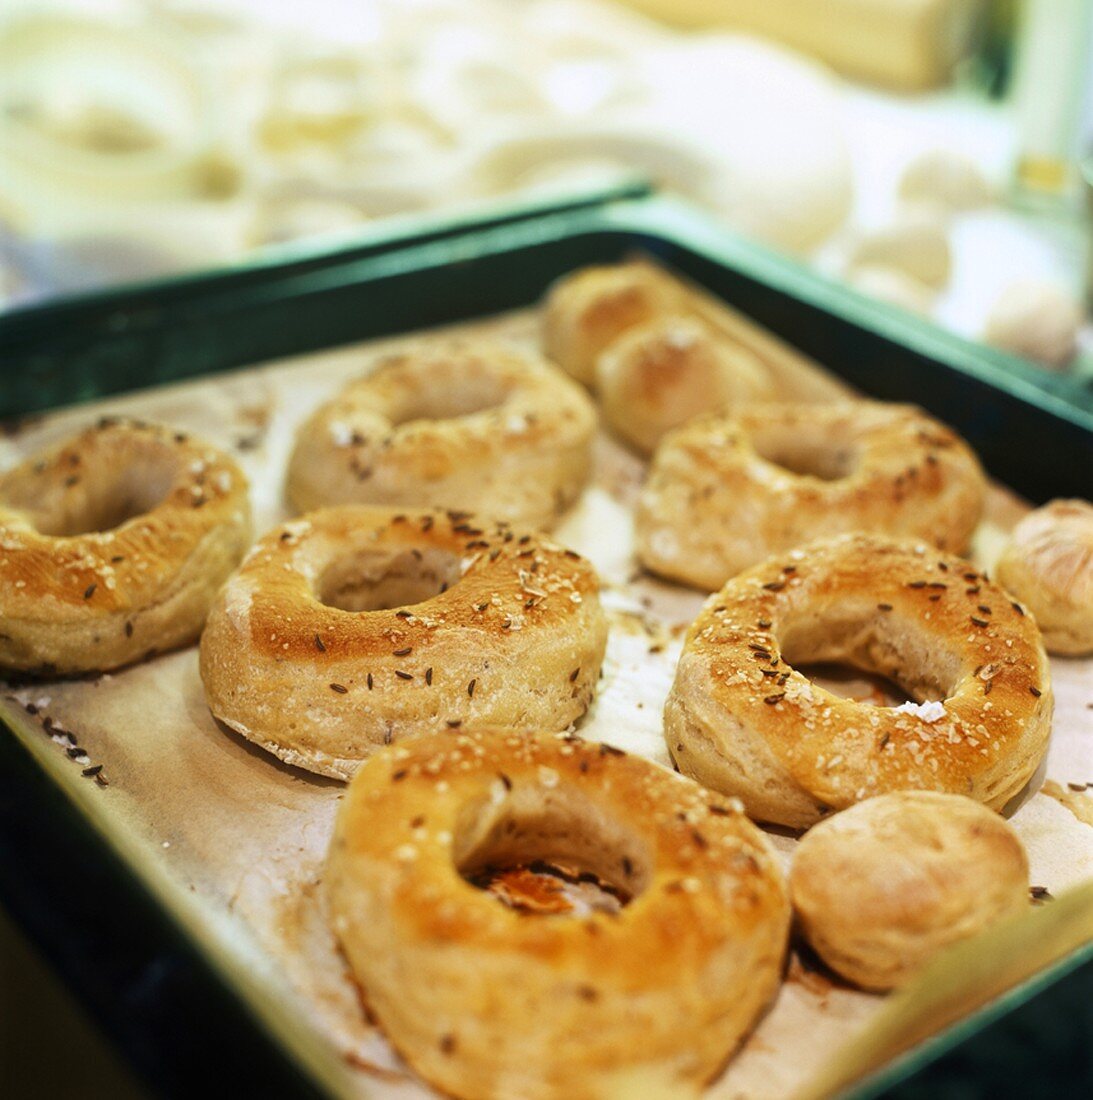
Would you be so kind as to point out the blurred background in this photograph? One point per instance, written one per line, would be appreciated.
(929, 152)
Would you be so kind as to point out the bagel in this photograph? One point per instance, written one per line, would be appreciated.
(725, 492)
(660, 374)
(354, 627)
(472, 426)
(742, 720)
(880, 888)
(1048, 563)
(113, 545)
(486, 1002)
(585, 311)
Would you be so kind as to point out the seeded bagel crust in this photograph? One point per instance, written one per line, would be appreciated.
(742, 720)
(722, 493)
(113, 545)
(355, 627)
(485, 1002)
(474, 426)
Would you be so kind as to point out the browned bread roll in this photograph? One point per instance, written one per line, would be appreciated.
(1048, 563)
(586, 311)
(487, 1002)
(658, 375)
(113, 545)
(472, 426)
(742, 720)
(355, 627)
(880, 888)
(725, 492)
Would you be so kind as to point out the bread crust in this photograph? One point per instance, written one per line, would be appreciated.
(660, 374)
(516, 639)
(1048, 563)
(113, 545)
(880, 888)
(474, 426)
(741, 719)
(586, 311)
(713, 503)
(486, 1002)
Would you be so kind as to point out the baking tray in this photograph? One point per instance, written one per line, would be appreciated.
(305, 298)
(436, 277)
(84, 346)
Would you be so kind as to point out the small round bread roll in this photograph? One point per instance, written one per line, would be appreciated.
(586, 311)
(1038, 320)
(897, 288)
(1048, 564)
(946, 180)
(880, 888)
(915, 243)
(660, 374)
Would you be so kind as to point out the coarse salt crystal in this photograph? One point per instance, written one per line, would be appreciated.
(929, 712)
(341, 433)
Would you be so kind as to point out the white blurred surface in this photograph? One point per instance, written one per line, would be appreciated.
(145, 138)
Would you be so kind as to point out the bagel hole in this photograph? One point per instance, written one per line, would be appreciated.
(886, 661)
(104, 503)
(453, 398)
(376, 580)
(557, 855)
(827, 460)
(857, 684)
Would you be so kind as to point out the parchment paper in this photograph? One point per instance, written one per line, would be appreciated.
(246, 835)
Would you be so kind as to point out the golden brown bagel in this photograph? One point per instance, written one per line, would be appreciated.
(586, 311)
(660, 374)
(743, 721)
(1048, 563)
(112, 546)
(473, 426)
(354, 627)
(725, 492)
(486, 1002)
(880, 888)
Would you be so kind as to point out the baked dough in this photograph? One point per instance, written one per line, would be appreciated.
(474, 426)
(897, 288)
(1037, 319)
(1048, 563)
(355, 627)
(880, 888)
(742, 720)
(586, 311)
(916, 243)
(660, 374)
(724, 492)
(947, 181)
(486, 1002)
(113, 545)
